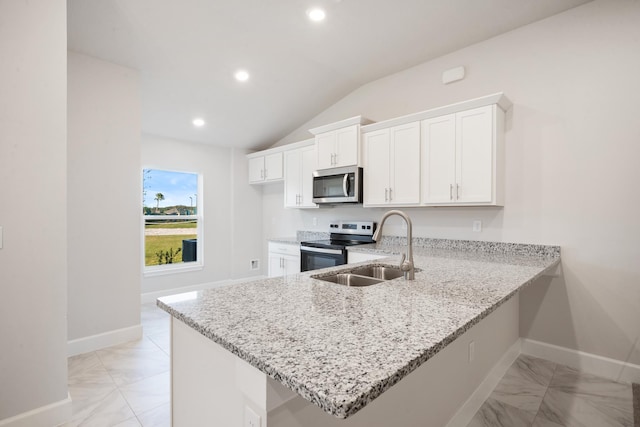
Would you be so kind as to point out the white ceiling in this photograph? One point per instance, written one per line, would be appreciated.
(187, 51)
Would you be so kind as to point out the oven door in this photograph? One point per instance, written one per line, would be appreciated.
(317, 258)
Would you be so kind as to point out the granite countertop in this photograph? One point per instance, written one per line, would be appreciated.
(340, 347)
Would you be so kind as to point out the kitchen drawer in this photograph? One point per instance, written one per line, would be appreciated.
(284, 248)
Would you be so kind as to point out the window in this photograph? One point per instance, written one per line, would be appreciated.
(172, 221)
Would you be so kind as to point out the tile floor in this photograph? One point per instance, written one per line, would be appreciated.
(536, 392)
(128, 385)
(125, 385)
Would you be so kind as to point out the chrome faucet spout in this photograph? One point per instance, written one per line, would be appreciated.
(406, 263)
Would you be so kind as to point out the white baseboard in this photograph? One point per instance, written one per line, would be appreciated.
(150, 297)
(45, 416)
(616, 370)
(475, 401)
(103, 340)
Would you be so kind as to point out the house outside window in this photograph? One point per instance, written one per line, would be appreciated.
(172, 221)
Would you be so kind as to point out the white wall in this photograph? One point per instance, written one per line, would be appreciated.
(104, 187)
(246, 232)
(230, 208)
(33, 258)
(571, 165)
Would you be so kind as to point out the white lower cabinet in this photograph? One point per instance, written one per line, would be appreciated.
(299, 165)
(392, 166)
(284, 259)
(462, 158)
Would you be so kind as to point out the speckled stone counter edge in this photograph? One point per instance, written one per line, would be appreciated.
(346, 408)
(446, 244)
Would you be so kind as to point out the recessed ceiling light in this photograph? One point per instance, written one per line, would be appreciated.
(241, 75)
(198, 122)
(316, 14)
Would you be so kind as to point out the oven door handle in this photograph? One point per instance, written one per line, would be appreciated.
(320, 250)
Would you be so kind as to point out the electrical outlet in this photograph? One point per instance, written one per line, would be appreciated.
(477, 226)
(251, 419)
(315, 221)
(254, 264)
(472, 351)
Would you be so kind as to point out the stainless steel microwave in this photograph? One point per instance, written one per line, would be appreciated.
(337, 185)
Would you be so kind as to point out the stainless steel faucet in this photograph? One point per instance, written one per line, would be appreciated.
(406, 265)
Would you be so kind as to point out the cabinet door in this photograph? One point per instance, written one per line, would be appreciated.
(291, 264)
(474, 155)
(273, 167)
(376, 170)
(326, 148)
(347, 146)
(438, 159)
(291, 178)
(256, 167)
(404, 178)
(275, 265)
(307, 166)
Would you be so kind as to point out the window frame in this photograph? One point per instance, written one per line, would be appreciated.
(181, 267)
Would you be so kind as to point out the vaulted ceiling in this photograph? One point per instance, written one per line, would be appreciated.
(187, 52)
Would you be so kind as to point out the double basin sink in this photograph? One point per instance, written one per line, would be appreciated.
(363, 276)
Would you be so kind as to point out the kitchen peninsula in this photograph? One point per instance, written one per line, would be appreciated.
(298, 351)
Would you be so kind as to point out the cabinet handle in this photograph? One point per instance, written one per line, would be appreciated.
(265, 173)
(385, 194)
(457, 192)
(390, 198)
(450, 191)
(261, 173)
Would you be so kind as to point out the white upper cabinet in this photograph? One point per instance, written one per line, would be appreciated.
(265, 168)
(338, 148)
(392, 166)
(462, 158)
(298, 181)
(338, 144)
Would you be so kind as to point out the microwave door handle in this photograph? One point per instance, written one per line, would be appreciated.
(345, 185)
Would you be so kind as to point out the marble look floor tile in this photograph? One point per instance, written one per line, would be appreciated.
(134, 361)
(89, 385)
(162, 340)
(106, 411)
(131, 422)
(154, 320)
(148, 394)
(532, 369)
(525, 383)
(572, 381)
(80, 363)
(520, 394)
(542, 422)
(494, 413)
(158, 417)
(574, 410)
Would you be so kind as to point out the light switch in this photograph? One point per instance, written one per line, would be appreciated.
(477, 226)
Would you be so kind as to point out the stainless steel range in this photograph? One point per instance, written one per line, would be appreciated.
(318, 254)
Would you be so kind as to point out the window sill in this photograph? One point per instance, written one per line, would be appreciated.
(173, 269)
